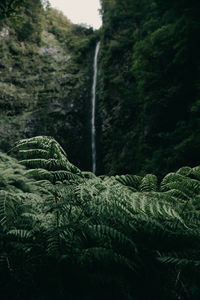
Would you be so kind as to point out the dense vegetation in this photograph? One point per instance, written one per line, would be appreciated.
(148, 82)
(11, 9)
(149, 85)
(45, 71)
(67, 234)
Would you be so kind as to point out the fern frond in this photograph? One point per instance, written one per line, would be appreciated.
(192, 218)
(49, 164)
(171, 178)
(53, 242)
(113, 234)
(35, 153)
(178, 261)
(177, 194)
(44, 152)
(151, 205)
(41, 142)
(190, 187)
(39, 174)
(132, 181)
(62, 175)
(88, 175)
(3, 207)
(85, 192)
(9, 204)
(185, 171)
(148, 183)
(3, 262)
(105, 257)
(196, 172)
(21, 234)
(32, 216)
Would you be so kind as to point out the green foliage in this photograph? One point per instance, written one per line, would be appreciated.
(149, 86)
(46, 75)
(72, 224)
(48, 158)
(26, 32)
(11, 9)
(67, 234)
(57, 23)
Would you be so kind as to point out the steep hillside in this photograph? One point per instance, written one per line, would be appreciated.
(149, 86)
(46, 75)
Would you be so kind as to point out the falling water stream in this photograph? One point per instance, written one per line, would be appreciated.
(93, 128)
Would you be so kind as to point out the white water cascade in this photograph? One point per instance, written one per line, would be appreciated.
(93, 127)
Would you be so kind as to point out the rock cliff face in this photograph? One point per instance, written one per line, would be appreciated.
(45, 82)
(147, 91)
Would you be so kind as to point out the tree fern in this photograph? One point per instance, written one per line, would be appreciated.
(53, 212)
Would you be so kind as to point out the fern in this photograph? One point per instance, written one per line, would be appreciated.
(2, 208)
(148, 183)
(39, 174)
(132, 181)
(53, 212)
(45, 153)
(195, 172)
(33, 153)
(21, 234)
(171, 178)
(179, 260)
(185, 171)
(119, 238)
(105, 256)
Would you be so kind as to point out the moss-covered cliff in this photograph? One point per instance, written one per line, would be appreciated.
(149, 86)
(45, 80)
(148, 91)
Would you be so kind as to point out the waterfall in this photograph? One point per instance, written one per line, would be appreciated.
(93, 128)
